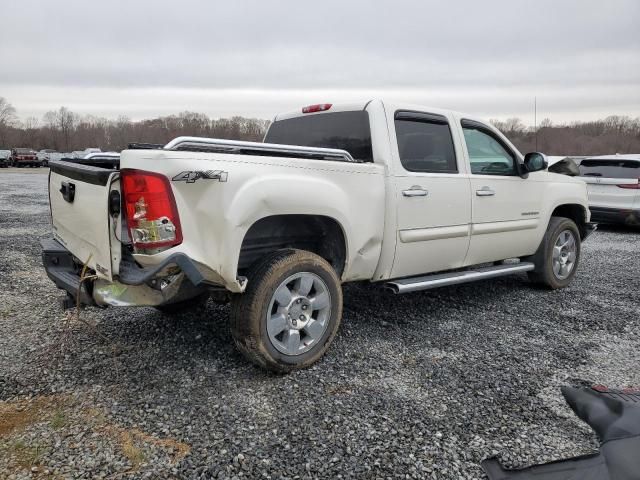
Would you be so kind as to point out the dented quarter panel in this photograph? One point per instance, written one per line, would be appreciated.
(216, 215)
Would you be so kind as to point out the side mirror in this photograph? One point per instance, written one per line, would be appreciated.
(535, 161)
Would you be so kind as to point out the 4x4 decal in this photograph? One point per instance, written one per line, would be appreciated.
(192, 176)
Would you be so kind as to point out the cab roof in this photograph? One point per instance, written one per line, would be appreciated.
(361, 105)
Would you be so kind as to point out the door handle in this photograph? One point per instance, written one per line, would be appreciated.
(68, 191)
(485, 192)
(415, 191)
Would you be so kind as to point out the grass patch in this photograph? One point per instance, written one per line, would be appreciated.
(58, 420)
(133, 453)
(26, 455)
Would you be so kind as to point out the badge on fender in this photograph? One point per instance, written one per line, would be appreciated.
(192, 176)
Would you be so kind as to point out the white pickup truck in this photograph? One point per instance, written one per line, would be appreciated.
(408, 196)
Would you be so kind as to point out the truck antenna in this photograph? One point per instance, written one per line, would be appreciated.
(535, 119)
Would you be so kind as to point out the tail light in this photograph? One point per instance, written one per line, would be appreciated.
(150, 208)
(631, 186)
(320, 107)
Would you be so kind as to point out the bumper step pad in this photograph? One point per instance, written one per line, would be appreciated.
(63, 271)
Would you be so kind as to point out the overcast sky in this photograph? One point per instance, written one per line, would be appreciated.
(144, 58)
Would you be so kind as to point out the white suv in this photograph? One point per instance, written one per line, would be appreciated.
(613, 185)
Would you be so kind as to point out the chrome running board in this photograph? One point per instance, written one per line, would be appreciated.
(413, 284)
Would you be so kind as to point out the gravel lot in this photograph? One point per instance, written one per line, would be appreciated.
(421, 385)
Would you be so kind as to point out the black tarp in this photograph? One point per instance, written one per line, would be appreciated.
(614, 415)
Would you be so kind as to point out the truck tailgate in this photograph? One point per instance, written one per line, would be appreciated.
(79, 198)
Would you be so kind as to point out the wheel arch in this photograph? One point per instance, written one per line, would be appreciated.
(320, 234)
(576, 212)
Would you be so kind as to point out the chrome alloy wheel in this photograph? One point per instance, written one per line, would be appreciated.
(564, 254)
(299, 313)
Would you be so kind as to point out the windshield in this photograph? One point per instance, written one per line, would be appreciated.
(610, 168)
(343, 130)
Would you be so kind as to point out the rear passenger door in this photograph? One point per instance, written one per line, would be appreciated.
(432, 195)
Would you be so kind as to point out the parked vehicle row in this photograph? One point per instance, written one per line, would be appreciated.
(27, 157)
(407, 196)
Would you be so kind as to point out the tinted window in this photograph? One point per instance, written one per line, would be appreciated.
(425, 146)
(610, 168)
(488, 156)
(344, 130)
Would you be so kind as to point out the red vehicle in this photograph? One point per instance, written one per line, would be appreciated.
(24, 157)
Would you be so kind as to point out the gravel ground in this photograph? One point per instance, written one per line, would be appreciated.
(424, 385)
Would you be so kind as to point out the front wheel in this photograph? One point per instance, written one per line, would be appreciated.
(558, 256)
(290, 312)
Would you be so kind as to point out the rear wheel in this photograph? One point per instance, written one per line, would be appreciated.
(290, 312)
(558, 256)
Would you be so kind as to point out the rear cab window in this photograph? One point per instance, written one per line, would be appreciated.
(348, 131)
(612, 168)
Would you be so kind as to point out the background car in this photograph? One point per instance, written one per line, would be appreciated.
(564, 165)
(84, 153)
(5, 158)
(109, 160)
(24, 157)
(613, 185)
(46, 155)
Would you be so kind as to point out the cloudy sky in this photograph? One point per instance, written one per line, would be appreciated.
(144, 58)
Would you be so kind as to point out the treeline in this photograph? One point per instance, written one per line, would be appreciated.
(66, 131)
(614, 134)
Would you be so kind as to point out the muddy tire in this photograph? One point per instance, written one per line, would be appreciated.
(290, 312)
(558, 255)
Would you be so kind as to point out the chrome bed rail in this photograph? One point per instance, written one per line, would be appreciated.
(198, 144)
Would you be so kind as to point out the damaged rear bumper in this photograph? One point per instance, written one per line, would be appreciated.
(175, 279)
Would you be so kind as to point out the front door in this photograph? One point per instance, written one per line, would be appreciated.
(506, 207)
(432, 196)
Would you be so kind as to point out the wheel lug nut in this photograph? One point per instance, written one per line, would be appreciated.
(304, 307)
(302, 317)
(298, 300)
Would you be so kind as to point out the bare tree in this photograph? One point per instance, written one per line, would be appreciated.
(50, 130)
(30, 132)
(7, 119)
(65, 121)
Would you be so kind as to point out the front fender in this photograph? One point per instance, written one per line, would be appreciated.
(570, 193)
